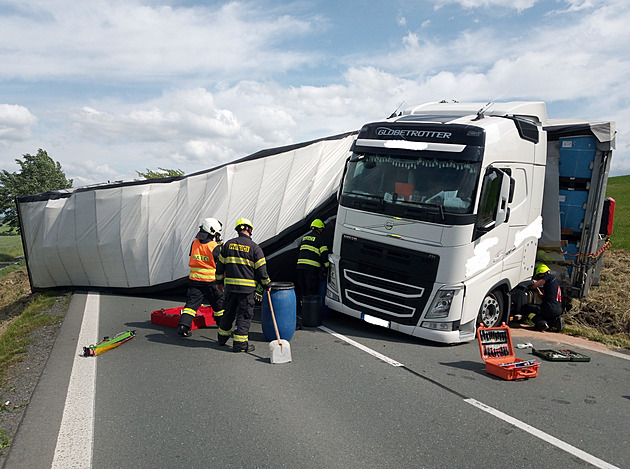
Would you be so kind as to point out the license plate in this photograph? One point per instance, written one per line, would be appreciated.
(376, 321)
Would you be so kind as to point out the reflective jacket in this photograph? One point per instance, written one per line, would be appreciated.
(313, 252)
(202, 262)
(241, 264)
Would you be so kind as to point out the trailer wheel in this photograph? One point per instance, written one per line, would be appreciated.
(491, 312)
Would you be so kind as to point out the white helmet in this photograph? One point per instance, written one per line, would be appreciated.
(211, 225)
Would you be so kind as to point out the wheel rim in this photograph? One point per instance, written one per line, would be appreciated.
(490, 311)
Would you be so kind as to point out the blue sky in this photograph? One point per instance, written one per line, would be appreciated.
(111, 87)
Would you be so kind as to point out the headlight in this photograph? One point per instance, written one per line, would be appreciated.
(441, 305)
(332, 277)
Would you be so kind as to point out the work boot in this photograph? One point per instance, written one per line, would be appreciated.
(247, 348)
(559, 324)
(541, 326)
(184, 331)
(222, 339)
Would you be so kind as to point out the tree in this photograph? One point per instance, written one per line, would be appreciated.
(162, 173)
(38, 173)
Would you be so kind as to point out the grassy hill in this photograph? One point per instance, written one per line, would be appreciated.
(619, 189)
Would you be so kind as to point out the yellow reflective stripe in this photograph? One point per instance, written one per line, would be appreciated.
(308, 247)
(309, 262)
(241, 281)
(239, 260)
(221, 259)
(190, 311)
(203, 274)
(220, 277)
(240, 338)
(218, 313)
(224, 333)
(323, 249)
(259, 263)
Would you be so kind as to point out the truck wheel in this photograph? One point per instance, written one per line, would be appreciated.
(491, 312)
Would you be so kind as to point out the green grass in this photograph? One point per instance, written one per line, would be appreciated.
(16, 338)
(619, 189)
(10, 245)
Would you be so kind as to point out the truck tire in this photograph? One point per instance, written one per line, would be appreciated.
(491, 312)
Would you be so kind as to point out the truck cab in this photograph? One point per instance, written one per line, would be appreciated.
(439, 217)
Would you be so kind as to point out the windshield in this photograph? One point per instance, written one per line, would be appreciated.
(431, 183)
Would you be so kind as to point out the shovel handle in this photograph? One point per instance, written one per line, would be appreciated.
(273, 316)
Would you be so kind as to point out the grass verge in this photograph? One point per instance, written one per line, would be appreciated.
(16, 332)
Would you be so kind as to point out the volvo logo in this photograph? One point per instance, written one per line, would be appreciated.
(389, 225)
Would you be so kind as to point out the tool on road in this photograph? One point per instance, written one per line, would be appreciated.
(280, 348)
(108, 343)
(561, 355)
(526, 345)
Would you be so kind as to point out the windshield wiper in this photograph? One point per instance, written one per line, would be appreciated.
(367, 196)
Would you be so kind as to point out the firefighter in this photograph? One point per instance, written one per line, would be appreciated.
(548, 314)
(312, 262)
(240, 267)
(202, 284)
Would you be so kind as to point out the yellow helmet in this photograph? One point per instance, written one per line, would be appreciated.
(317, 223)
(541, 269)
(243, 223)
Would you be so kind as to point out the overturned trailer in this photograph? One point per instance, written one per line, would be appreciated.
(136, 235)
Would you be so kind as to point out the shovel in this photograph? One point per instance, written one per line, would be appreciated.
(280, 348)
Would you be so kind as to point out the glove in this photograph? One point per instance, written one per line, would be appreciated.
(258, 293)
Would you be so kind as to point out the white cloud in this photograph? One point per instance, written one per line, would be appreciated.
(519, 5)
(138, 41)
(15, 122)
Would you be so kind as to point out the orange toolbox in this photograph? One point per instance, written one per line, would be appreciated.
(495, 345)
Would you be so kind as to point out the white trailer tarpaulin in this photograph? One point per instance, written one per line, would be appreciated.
(137, 235)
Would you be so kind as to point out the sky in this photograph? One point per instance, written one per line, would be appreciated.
(108, 88)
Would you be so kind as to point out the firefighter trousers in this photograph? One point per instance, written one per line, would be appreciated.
(199, 293)
(239, 307)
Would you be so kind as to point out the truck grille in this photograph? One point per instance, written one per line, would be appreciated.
(386, 281)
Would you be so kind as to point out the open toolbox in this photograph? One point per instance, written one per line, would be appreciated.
(561, 355)
(170, 317)
(495, 345)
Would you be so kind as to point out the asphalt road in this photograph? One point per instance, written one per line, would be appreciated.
(364, 397)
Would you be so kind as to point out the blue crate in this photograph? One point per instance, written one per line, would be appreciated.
(572, 209)
(576, 157)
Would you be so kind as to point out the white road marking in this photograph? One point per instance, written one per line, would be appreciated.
(362, 347)
(497, 413)
(76, 435)
(546, 437)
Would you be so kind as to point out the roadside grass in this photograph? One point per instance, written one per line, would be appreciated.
(15, 335)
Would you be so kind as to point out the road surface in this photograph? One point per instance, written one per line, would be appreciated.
(355, 395)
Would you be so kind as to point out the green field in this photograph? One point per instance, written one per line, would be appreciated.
(619, 189)
(10, 246)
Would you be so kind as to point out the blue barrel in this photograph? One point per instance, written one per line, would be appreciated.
(283, 300)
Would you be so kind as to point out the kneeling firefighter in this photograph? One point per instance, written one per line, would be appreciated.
(202, 283)
(548, 314)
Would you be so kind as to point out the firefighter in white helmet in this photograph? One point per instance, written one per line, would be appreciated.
(202, 283)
